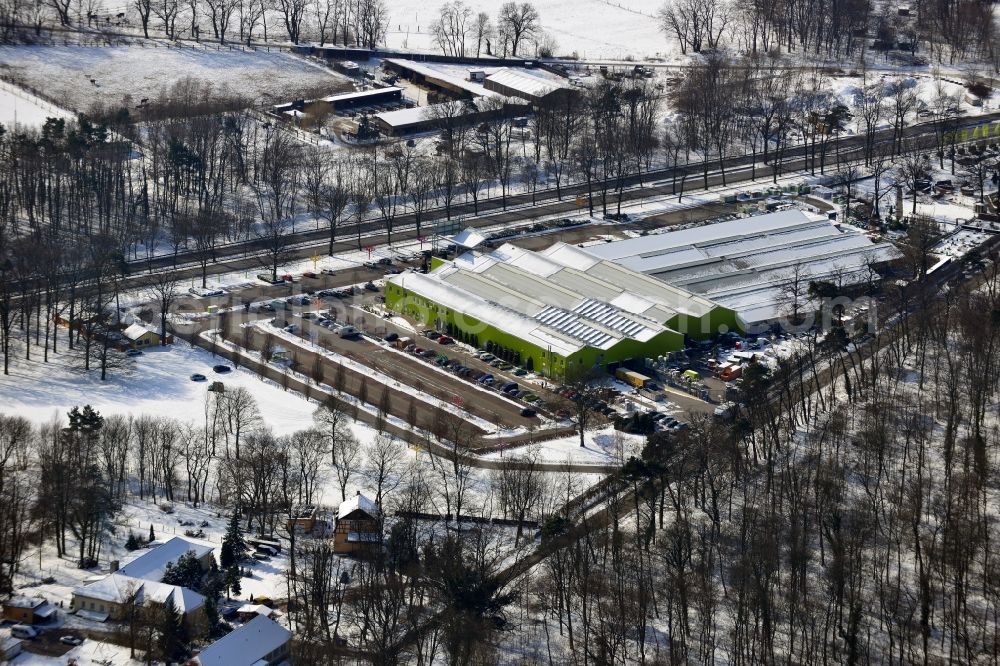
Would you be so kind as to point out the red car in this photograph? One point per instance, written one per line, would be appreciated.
(311, 274)
(444, 340)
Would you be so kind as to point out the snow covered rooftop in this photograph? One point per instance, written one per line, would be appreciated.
(24, 602)
(118, 588)
(561, 299)
(468, 238)
(440, 74)
(522, 83)
(135, 331)
(247, 645)
(153, 563)
(359, 501)
(745, 264)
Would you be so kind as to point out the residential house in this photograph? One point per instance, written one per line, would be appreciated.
(358, 526)
(109, 599)
(259, 642)
(28, 610)
(139, 582)
(138, 336)
(152, 564)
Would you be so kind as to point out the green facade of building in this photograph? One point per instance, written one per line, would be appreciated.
(464, 327)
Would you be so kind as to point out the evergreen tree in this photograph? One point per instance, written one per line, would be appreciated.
(132, 543)
(212, 589)
(186, 572)
(234, 548)
(232, 582)
(173, 637)
(152, 534)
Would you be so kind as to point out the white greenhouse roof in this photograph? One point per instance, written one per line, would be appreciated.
(745, 264)
(561, 299)
(246, 645)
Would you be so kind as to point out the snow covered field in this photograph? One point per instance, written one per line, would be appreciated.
(20, 108)
(83, 75)
(159, 385)
(624, 29)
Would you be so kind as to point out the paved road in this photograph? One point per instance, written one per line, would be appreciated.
(658, 183)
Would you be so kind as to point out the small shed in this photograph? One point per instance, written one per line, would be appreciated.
(28, 610)
(138, 336)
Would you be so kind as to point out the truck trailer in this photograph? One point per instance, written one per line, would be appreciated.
(632, 378)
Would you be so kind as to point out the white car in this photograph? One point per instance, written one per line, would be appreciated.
(23, 631)
(202, 292)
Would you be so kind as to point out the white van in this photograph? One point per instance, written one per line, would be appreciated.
(23, 631)
(348, 332)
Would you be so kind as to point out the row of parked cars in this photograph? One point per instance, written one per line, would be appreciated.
(667, 422)
(509, 388)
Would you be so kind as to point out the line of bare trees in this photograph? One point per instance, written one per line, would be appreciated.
(949, 31)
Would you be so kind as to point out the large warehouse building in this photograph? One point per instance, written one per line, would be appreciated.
(560, 312)
(749, 264)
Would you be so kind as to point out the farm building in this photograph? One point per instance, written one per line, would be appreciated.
(345, 101)
(422, 119)
(749, 264)
(527, 86)
(559, 312)
(439, 79)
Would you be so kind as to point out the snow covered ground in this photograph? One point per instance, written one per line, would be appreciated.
(83, 75)
(158, 385)
(602, 446)
(20, 108)
(624, 28)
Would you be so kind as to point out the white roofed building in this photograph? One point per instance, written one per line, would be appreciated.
(747, 264)
(560, 312)
(359, 525)
(259, 642)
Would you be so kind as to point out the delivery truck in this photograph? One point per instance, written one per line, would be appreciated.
(632, 378)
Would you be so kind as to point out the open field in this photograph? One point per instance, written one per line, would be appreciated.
(80, 76)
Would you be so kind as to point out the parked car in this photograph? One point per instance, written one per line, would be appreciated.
(429, 353)
(385, 261)
(198, 377)
(485, 379)
(370, 286)
(291, 328)
(71, 640)
(520, 372)
(509, 387)
(432, 334)
(134, 352)
(371, 265)
(23, 631)
(311, 274)
(528, 412)
(221, 368)
(445, 340)
(391, 337)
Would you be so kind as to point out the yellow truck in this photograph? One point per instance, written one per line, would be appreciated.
(630, 377)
